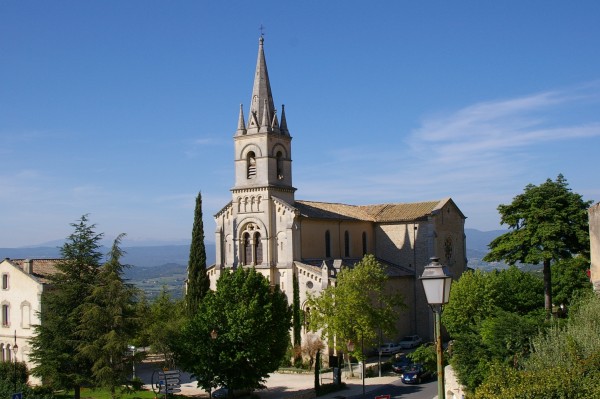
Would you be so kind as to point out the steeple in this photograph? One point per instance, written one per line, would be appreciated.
(261, 104)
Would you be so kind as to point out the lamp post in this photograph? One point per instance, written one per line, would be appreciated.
(351, 347)
(213, 336)
(436, 283)
(15, 349)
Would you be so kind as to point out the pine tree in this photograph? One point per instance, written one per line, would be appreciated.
(109, 323)
(54, 348)
(198, 283)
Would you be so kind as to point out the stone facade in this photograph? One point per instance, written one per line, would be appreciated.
(594, 218)
(265, 227)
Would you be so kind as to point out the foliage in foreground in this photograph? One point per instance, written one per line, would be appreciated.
(565, 362)
(490, 317)
(251, 322)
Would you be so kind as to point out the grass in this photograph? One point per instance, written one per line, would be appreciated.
(105, 394)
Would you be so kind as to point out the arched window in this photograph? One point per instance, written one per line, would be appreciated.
(279, 165)
(364, 243)
(247, 249)
(2, 359)
(251, 164)
(346, 244)
(327, 244)
(258, 249)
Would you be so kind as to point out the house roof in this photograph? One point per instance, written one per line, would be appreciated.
(42, 269)
(394, 212)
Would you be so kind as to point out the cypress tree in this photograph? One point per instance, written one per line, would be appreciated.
(296, 311)
(198, 283)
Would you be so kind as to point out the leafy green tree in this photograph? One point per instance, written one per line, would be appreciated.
(548, 223)
(108, 324)
(164, 320)
(490, 317)
(55, 346)
(239, 335)
(356, 307)
(198, 283)
(569, 280)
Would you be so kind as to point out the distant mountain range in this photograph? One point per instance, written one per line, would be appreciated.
(155, 266)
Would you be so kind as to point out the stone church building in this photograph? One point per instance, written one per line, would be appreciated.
(264, 226)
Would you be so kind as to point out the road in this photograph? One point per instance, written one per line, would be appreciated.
(398, 390)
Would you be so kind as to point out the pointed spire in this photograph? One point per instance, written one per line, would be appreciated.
(283, 125)
(241, 129)
(262, 99)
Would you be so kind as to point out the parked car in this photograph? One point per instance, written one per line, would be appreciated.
(389, 348)
(401, 364)
(410, 341)
(416, 374)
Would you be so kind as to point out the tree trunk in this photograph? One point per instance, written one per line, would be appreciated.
(77, 392)
(547, 289)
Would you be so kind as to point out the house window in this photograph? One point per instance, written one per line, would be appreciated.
(5, 315)
(2, 357)
(364, 243)
(5, 281)
(251, 165)
(327, 244)
(346, 244)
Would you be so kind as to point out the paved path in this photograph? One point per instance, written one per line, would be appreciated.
(282, 386)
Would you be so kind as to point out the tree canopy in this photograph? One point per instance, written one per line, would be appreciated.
(548, 223)
(356, 307)
(239, 335)
(490, 317)
(108, 324)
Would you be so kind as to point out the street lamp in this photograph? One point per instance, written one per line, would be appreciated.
(213, 336)
(436, 283)
(351, 347)
(15, 349)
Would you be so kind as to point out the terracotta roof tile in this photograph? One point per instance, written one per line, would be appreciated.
(42, 268)
(397, 212)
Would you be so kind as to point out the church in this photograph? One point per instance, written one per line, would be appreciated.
(264, 226)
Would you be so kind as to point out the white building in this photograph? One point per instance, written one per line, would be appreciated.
(23, 281)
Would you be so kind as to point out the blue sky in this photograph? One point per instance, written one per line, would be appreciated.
(126, 109)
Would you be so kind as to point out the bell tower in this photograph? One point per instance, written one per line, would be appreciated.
(263, 150)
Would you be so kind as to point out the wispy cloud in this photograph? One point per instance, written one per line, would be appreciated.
(481, 154)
